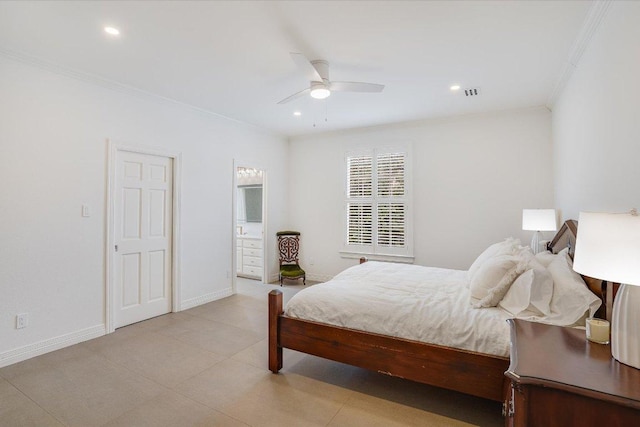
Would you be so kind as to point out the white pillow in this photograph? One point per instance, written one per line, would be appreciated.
(508, 246)
(531, 293)
(572, 301)
(493, 279)
(545, 258)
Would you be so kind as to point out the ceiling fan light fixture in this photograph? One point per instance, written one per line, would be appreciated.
(320, 87)
(319, 90)
(320, 93)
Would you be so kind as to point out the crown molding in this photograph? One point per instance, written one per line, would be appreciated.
(593, 20)
(114, 85)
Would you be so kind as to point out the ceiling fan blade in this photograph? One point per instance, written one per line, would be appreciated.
(355, 87)
(295, 96)
(306, 67)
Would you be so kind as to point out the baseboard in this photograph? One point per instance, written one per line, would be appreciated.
(36, 349)
(275, 279)
(10, 357)
(319, 277)
(203, 299)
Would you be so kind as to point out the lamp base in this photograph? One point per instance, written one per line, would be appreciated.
(535, 242)
(625, 327)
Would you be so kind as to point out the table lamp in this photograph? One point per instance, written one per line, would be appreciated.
(608, 248)
(538, 220)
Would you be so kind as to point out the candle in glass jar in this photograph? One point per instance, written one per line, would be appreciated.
(598, 330)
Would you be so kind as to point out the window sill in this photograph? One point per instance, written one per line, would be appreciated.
(406, 259)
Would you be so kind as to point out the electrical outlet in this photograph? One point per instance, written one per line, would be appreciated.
(22, 320)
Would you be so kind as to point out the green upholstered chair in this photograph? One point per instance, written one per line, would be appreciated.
(289, 247)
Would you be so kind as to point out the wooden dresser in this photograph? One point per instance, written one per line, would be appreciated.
(559, 378)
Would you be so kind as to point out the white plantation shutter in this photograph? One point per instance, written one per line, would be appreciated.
(360, 227)
(360, 179)
(360, 207)
(390, 175)
(391, 207)
(391, 228)
(376, 203)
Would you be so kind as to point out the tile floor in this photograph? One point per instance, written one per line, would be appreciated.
(207, 366)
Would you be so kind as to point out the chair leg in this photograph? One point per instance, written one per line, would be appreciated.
(304, 280)
(280, 279)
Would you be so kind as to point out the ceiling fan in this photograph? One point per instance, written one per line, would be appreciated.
(320, 86)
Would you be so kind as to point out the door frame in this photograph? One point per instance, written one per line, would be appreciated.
(112, 156)
(234, 220)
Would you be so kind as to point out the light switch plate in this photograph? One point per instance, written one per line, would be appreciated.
(22, 320)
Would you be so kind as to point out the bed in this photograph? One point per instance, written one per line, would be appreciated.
(467, 370)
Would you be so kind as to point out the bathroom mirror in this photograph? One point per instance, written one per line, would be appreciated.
(252, 198)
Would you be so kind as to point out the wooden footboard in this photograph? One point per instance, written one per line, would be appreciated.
(464, 371)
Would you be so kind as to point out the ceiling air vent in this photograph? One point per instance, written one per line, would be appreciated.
(473, 91)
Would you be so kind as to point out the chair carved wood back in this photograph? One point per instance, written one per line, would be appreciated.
(289, 248)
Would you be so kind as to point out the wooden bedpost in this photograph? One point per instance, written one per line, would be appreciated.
(275, 351)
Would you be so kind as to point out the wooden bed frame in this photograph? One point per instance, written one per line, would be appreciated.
(465, 371)
(566, 238)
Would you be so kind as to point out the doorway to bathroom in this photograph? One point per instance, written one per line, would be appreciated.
(249, 222)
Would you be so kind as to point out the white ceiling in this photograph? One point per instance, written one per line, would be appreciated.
(232, 57)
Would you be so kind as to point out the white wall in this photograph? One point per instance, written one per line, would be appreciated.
(472, 176)
(596, 122)
(53, 154)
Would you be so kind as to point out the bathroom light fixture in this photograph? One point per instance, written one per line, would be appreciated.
(297, 113)
(455, 87)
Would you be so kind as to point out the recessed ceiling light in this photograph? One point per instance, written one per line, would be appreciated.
(455, 87)
(111, 30)
(297, 113)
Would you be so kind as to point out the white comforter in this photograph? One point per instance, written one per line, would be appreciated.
(425, 304)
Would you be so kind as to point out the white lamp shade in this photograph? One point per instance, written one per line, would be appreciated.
(539, 219)
(608, 247)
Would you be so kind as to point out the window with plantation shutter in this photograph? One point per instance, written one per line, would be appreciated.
(360, 176)
(391, 228)
(377, 205)
(360, 224)
(391, 174)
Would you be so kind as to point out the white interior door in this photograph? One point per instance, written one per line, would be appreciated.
(143, 203)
